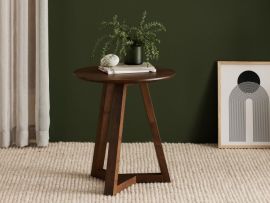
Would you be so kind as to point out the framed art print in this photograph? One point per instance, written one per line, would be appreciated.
(243, 104)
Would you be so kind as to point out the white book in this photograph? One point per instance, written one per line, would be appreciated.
(123, 68)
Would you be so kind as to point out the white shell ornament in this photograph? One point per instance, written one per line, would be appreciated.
(109, 60)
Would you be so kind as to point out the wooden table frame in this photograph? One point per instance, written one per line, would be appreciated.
(113, 103)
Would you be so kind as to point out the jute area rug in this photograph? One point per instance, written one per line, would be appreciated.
(199, 173)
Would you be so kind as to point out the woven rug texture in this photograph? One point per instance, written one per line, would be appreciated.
(199, 173)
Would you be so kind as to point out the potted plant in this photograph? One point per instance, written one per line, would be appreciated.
(130, 42)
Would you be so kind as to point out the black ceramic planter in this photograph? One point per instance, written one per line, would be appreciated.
(134, 55)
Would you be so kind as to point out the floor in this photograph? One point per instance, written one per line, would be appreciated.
(199, 173)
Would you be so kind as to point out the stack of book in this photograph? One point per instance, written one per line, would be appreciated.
(123, 68)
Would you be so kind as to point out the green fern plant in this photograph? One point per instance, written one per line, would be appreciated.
(119, 36)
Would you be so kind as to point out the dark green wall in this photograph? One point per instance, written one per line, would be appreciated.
(198, 34)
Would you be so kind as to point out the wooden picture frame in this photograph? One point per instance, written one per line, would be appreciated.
(243, 104)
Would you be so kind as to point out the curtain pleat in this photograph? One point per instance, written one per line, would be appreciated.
(21, 69)
(24, 72)
(42, 74)
(4, 72)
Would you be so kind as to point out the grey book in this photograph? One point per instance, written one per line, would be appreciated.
(123, 68)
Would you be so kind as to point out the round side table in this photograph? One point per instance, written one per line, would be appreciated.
(113, 103)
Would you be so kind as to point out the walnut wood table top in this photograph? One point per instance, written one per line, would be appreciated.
(92, 73)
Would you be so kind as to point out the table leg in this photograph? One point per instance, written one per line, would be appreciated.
(102, 131)
(155, 131)
(112, 182)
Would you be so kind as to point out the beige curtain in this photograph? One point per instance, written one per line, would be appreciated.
(24, 73)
